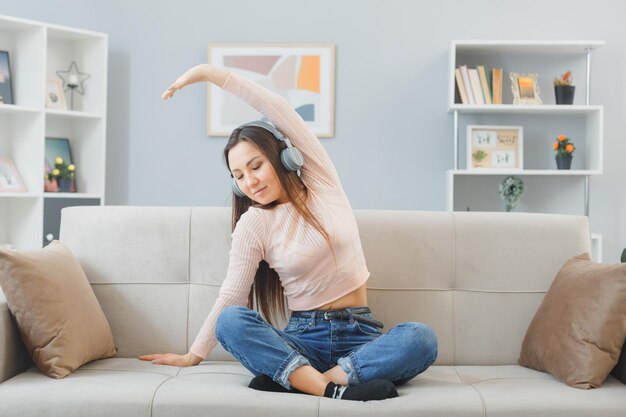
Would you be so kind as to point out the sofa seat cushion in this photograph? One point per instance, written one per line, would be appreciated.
(516, 391)
(130, 387)
(108, 387)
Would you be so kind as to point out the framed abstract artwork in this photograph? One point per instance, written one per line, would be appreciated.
(303, 74)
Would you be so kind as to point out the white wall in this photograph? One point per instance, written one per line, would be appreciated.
(393, 141)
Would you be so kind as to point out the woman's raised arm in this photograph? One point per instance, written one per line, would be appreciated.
(318, 171)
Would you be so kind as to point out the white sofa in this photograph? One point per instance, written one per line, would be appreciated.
(476, 278)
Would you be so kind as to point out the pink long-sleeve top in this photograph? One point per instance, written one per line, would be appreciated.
(306, 267)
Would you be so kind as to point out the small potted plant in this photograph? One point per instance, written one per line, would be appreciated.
(63, 174)
(563, 89)
(564, 152)
(511, 191)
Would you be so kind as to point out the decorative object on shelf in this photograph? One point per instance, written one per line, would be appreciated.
(63, 173)
(73, 79)
(6, 81)
(58, 166)
(564, 152)
(511, 191)
(55, 96)
(494, 147)
(307, 72)
(10, 179)
(563, 89)
(525, 88)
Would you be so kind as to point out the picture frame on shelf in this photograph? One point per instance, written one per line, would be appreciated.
(304, 74)
(10, 179)
(495, 147)
(525, 88)
(6, 79)
(57, 147)
(55, 96)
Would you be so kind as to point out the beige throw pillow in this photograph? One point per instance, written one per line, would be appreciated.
(57, 313)
(578, 331)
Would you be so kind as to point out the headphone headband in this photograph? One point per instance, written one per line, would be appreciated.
(267, 126)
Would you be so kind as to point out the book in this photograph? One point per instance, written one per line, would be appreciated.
(496, 81)
(484, 83)
(466, 83)
(460, 86)
(489, 85)
(476, 87)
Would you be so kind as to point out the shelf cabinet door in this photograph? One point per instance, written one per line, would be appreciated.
(52, 214)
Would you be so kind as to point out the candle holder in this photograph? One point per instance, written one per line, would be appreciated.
(73, 80)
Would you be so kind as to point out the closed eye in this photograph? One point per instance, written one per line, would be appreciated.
(255, 168)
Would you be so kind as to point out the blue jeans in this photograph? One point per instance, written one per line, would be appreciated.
(361, 350)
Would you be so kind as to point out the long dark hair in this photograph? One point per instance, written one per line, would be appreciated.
(267, 289)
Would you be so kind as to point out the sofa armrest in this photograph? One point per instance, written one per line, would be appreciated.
(14, 358)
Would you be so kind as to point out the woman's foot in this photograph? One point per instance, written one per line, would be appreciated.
(265, 383)
(378, 389)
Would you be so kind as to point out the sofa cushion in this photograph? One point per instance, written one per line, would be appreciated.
(515, 391)
(125, 387)
(578, 331)
(57, 313)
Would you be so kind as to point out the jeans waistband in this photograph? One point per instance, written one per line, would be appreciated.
(341, 314)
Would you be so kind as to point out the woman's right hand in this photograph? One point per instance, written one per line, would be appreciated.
(172, 359)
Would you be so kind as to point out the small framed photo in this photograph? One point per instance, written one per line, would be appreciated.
(495, 147)
(303, 74)
(57, 147)
(10, 179)
(525, 88)
(55, 96)
(6, 81)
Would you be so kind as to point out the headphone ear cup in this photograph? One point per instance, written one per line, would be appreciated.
(236, 188)
(292, 158)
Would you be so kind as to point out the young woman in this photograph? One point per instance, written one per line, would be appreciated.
(295, 235)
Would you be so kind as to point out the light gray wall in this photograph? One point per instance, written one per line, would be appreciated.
(393, 141)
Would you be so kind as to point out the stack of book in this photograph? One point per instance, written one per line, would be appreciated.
(477, 86)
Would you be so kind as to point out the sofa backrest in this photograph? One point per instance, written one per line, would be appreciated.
(476, 278)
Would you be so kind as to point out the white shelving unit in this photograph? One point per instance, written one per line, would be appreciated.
(581, 121)
(37, 50)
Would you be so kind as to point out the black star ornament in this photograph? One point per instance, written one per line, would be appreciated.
(73, 79)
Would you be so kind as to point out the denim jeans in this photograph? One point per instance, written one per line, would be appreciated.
(361, 350)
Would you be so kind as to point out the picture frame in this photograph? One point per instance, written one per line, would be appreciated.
(495, 148)
(55, 96)
(525, 88)
(10, 179)
(304, 74)
(6, 79)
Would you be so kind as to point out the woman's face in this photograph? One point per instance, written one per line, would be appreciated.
(255, 175)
